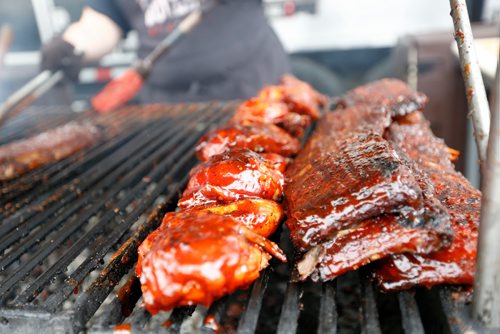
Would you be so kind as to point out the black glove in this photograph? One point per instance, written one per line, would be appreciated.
(58, 54)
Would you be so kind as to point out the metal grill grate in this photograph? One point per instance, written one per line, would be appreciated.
(70, 231)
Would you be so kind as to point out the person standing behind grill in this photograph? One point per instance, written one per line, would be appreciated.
(231, 54)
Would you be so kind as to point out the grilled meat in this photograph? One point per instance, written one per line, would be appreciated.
(335, 124)
(413, 134)
(268, 112)
(196, 257)
(232, 176)
(259, 137)
(276, 161)
(392, 94)
(259, 215)
(422, 231)
(299, 96)
(357, 118)
(453, 265)
(53, 145)
(372, 239)
(355, 177)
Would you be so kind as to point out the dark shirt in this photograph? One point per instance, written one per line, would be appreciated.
(229, 55)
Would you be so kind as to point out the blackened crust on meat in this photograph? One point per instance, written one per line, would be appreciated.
(393, 94)
(355, 178)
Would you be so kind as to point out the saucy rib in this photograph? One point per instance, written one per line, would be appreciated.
(47, 147)
(453, 265)
(393, 94)
(356, 177)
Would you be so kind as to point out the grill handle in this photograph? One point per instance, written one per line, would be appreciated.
(28, 93)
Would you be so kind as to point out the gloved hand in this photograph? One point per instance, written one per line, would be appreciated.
(58, 54)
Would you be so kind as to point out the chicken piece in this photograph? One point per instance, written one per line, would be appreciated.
(232, 176)
(48, 147)
(197, 257)
(393, 94)
(261, 138)
(260, 215)
(268, 112)
(277, 161)
(453, 265)
(300, 97)
(355, 177)
(302, 91)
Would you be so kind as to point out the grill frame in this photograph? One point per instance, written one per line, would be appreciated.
(331, 301)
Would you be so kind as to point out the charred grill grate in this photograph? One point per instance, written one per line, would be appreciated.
(69, 234)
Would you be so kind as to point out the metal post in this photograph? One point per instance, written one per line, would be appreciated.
(474, 86)
(487, 283)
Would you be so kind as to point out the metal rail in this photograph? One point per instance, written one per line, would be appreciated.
(487, 282)
(477, 101)
(486, 306)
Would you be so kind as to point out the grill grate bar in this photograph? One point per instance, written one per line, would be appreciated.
(109, 214)
(139, 316)
(290, 311)
(369, 324)
(328, 310)
(410, 316)
(178, 316)
(214, 316)
(248, 321)
(459, 314)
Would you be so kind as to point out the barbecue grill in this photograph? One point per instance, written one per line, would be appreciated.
(70, 232)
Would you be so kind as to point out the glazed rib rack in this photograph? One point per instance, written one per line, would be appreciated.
(69, 234)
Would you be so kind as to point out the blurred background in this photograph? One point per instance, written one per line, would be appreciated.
(333, 44)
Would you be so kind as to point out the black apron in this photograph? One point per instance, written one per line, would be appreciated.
(231, 54)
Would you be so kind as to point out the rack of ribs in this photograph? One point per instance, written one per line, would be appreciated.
(392, 94)
(24, 155)
(357, 177)
(371, 199)
(452, 265)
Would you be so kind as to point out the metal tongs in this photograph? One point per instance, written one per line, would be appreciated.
(28, 93)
